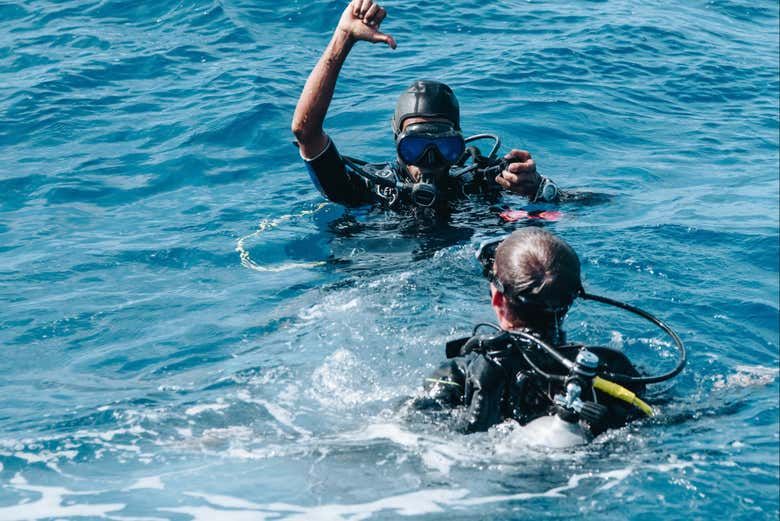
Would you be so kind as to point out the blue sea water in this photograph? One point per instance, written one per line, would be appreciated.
(188, 332)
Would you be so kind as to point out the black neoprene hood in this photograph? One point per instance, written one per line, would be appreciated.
(426, 98)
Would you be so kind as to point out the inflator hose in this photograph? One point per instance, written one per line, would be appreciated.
(622, 378)
(621, 393)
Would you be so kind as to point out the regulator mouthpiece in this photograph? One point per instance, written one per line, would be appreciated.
(424, 194)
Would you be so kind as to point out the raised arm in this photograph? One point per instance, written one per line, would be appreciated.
(359, 21)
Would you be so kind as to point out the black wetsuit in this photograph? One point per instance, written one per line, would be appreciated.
(338, 180)
(500, 386)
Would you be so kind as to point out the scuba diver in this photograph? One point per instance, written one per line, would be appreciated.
(431, 168)
(525, 370)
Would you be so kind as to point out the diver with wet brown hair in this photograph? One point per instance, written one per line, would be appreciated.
(526, 370)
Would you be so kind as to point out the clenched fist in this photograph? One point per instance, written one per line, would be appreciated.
(520, 176)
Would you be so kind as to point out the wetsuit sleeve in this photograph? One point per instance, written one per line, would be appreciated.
(474, 382)
(485, 384)
(336, 180)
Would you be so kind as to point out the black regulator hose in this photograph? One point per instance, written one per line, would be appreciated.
(494, 137)
(623, 378)
(568, 364)
(615, 377)
(551, 351)
(549, 376)
(357, 166)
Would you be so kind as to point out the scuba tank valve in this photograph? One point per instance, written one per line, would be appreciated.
(570, 407)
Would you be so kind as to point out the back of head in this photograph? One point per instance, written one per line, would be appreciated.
(426, 98)
(538, 266)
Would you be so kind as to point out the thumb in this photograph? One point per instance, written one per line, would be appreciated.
(382, 37)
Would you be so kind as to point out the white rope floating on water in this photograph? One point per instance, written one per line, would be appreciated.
(270, 224)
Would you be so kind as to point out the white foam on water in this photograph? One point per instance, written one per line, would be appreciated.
(747, 376)
(198, 409)
(217, 439)
(664, 345)
(279, 413)
(437, 461)
(387, 431)
(257, 454)
(69, 445)
(437, 454)
(80, 435)
(224, 501)
(217, 435)
(109, 435)
(616, 340)
(395, 279)
(612, 478)
(330, 306)
(672, 465)
(48, 458)
(411, 504)
(148, 483)
(418, 503)
(344, 382)
(615, 477)
(206, 513)
(50, 504)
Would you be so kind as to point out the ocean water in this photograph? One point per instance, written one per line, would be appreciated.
(189, 331)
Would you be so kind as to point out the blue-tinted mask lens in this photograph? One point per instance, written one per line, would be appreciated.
(450, 147)
(411, 147)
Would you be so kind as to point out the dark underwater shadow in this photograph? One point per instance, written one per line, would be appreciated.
(352, 239)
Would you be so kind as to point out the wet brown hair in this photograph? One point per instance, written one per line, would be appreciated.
(540, 266)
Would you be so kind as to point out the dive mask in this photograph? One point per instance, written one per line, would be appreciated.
(430, 145)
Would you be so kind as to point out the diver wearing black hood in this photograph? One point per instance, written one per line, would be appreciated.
(430, 169)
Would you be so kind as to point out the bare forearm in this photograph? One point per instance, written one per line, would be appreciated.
(318, 93)
(359, 21)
